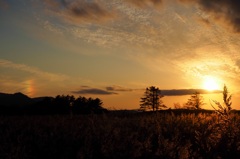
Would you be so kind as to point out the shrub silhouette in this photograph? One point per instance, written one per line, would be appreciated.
(225, 108)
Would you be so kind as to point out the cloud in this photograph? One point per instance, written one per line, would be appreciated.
(179, 92)
(93, 91)
(98, 91)
(226, 12)
(134, 28)
(79, 11)
(146, 3)
(118, 88)
(32, 70)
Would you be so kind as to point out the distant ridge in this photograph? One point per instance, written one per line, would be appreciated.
(16, 99)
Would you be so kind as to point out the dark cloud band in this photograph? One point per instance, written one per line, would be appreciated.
(93, 91)
(180, 92)
(118, 88)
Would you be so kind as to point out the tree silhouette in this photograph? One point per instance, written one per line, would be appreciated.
(90, 105)
(152, 99)
(95, 103)
(195, 101)
(62, 103)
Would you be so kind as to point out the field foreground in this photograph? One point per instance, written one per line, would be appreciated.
(120, 135)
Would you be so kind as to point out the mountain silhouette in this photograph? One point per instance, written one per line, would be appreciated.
(16, 99)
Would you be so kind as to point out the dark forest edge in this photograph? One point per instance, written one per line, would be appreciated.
(20, 104)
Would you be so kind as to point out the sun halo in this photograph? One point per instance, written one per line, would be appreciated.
(210, 83)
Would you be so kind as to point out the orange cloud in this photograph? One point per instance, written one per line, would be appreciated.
(32, 70)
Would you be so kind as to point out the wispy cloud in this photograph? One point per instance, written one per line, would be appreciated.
(225, 12)
(133, 27)
(80, 11)
(110, 37)
(87, 23)
(32, 70)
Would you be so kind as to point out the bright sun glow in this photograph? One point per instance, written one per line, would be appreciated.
(210, 83)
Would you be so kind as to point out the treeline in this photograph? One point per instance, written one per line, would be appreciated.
(61, 104)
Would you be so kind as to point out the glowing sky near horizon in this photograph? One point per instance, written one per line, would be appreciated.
(114, 49)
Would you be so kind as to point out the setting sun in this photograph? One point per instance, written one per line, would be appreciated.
(210, 83)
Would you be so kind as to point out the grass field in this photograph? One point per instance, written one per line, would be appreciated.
(120, 135)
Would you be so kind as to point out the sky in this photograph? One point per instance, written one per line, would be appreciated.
(114, 49)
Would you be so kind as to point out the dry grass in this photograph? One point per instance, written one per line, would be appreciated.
(159, 135)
